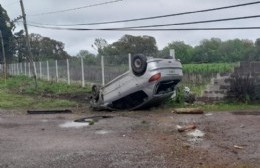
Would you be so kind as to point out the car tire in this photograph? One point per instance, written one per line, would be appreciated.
(139, 64)
(95, 92)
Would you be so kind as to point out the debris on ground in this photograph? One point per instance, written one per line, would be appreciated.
(238, 147)
(186, 128)
(208, 114)
(49, 111)
(187, 111)
(195, 135)
(72, 124)
(189, 97)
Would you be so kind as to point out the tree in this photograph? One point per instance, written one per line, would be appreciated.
(182, 51)
(117, 52)
(207, 51)
(20, 46)
(43, 48)
(99, 45)
(6, 28)
(236, 50)
(256, 55)
(88, 57)
(137, 44)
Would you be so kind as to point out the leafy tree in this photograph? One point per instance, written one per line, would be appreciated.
(6, 28)
(20, 46)
(88, 57)
(256, 55)
(43, 48)
(100, 44)
(137, 44)
(182, 51)
(236, 50)
(207, 51)
(117, 52)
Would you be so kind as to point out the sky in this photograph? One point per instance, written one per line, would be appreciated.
(129, 9)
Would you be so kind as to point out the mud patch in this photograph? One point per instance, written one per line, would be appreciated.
(246, 113)
(93, 118)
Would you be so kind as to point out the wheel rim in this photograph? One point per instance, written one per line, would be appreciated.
(138, 63)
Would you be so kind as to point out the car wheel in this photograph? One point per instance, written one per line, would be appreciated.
(95, 92)
(139, 64)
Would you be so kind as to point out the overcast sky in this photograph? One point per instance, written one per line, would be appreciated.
(129, 9)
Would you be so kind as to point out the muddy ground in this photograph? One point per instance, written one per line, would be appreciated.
(129, 139)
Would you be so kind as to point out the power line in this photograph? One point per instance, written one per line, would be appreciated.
(185, 23)
(161, 16)
(72, 9)
(130, 29)
(196, 22)
(12, 3)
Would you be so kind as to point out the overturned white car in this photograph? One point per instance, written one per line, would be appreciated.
(149, 82)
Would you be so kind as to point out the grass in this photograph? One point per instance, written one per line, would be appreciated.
(25, 85)
(223, 106)
(9, 100)
(209, 68)
(230, 107)
(20, 92)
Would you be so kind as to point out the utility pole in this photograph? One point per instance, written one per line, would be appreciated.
(28, 42)
(3, 51)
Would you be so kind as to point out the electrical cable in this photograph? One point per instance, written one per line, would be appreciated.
(187, 23)
(160, 16)
(195, 22)
(72, 9)
(12, 3)
(130, 29)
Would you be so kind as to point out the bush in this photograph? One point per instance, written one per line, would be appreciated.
(242, 88)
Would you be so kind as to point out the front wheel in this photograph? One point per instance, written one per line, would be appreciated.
(95, 92)
(139, 64)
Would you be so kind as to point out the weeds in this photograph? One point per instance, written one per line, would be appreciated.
(19, 92)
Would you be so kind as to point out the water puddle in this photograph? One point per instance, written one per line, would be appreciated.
(72, 124)
(208, 114)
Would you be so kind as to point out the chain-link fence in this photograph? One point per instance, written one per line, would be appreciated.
(74, 70)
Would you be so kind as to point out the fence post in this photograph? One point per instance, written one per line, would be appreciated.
(129, 61)
(25, 66)
(12, 67)
(68, 71)
(29, 69)
(82, 72)
(16, 67)
(21, 67)
(103, 70)
(172, 53)
(35, 72)
(48, 72)
(57, 72)
(40, 70)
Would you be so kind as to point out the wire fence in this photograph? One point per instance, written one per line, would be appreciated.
(74, 70)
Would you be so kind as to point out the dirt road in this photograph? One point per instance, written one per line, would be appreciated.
(130, 139)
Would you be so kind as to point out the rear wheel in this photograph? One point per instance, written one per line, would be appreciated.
(95, 92)
(139, 64)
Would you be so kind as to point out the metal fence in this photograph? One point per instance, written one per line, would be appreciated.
(74, 70)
